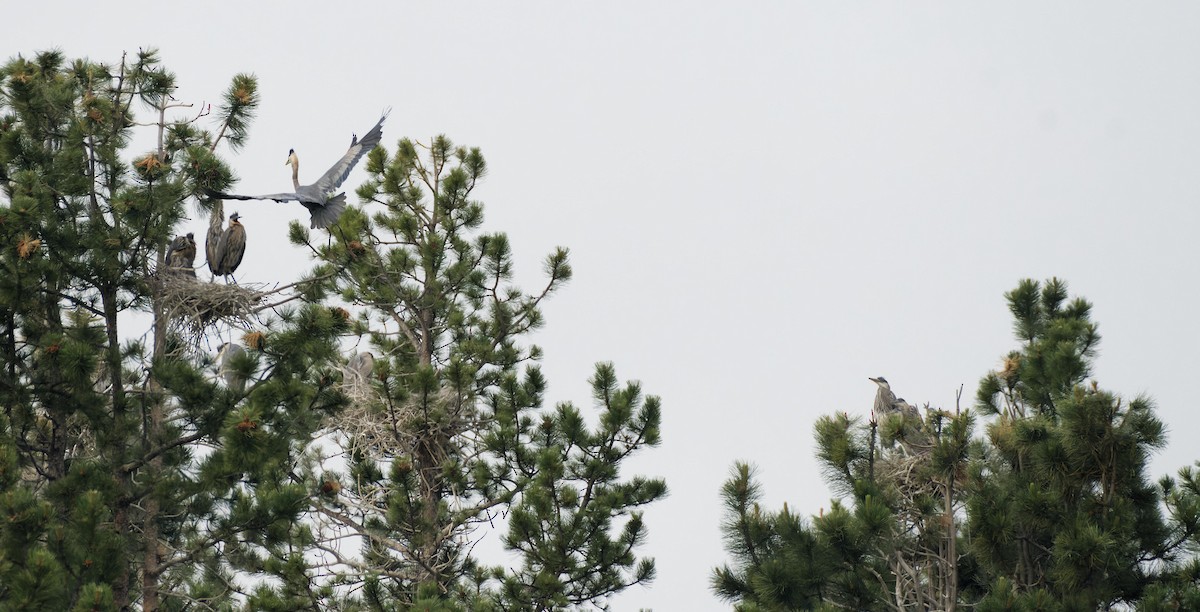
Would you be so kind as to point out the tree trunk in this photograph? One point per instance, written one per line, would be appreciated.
(124, 483)
(152, 556)
(950, 592)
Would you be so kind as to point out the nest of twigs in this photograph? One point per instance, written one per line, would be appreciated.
(903, 470)
(376, 429)
(193, 306)
(370, 427)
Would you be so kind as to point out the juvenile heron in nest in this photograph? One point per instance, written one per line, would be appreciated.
(361, 365)
(356, 375)
(226, 354)
(887, 404)
(231, 247)
(182, 254)
(908, 410)
(885, 400)
(324, 206)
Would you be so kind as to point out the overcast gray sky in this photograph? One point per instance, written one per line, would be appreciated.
(766, 203)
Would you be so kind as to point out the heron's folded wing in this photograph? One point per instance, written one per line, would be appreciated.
(177, 246)
(334, 177)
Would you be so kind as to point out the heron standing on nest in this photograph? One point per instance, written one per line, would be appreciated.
(230, 248)
(212, 241)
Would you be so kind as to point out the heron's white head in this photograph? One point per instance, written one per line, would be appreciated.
(881, 381)
(292, 160)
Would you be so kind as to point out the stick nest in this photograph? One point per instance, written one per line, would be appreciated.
(193, 306)
(374, 429)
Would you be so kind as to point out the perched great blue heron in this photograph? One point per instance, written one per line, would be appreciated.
(356, 376)
(182, 254)
(323, 205)
(886, 403)
(908, 410)
(226, 354)
(212, 241)
(361, 365)
(885, 400)
(231, 247)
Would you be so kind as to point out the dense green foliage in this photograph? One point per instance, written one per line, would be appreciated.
(133, 476)
(467, 441)
(128, 475)
(1051, 509)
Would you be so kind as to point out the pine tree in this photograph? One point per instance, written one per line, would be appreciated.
(888, 545)
(1051, 510)
(1062, 508)
(129, 477)
(779, 561)
(448, 436)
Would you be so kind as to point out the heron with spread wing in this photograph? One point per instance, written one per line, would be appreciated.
(324, 206)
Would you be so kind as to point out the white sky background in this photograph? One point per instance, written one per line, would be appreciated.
(765, 204)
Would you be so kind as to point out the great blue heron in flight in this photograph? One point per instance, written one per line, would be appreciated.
(181, 254)
(319, 198)
(231, 247)
(226, 354)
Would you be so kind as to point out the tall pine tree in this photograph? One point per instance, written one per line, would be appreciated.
(129, 477)
(448, 435)
(133, 474)
(1061, 506)
(1052, 509)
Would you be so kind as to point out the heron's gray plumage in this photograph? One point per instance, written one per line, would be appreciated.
(885, 400)
(231, 247)
(182, 254)
(362, 364)
(907, 409)
(212, 242)
(356, 374)
(910, 426)
(319, 198)
(226, 355)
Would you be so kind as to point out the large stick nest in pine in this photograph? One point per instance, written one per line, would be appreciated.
(375, 429)
(193, 306)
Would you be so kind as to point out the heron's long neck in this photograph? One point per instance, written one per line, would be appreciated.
(217, 216)
(295, 173)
